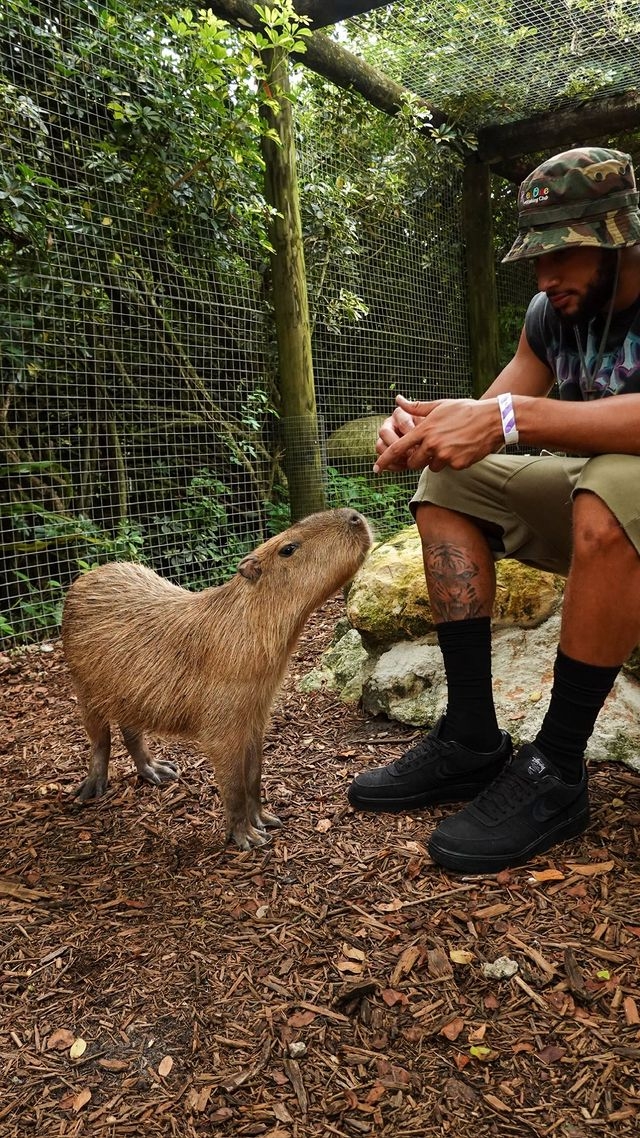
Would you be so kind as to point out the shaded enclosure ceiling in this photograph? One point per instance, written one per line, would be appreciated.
(503, 68)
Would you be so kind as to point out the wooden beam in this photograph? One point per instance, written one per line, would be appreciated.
(592, 121)
(330, 59)
(325, 12)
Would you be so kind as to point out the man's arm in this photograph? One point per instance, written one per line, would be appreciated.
(458, 432)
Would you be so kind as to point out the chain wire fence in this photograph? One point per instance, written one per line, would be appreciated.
(138, 399)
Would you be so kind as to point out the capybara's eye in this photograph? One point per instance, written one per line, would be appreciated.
(289, 550)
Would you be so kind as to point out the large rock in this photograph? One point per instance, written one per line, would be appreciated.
(388, 600)
(391, 663)
(352, 448)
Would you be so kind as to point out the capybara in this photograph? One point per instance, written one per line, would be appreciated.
(203, 666)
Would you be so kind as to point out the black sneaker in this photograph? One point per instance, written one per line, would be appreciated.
(525, 811)
(435, 770)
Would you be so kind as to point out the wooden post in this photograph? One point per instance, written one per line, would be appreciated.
(299, 420)
(482, 296)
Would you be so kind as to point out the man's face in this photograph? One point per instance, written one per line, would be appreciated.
(578, 282)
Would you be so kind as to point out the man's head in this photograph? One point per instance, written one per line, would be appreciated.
(581, 198)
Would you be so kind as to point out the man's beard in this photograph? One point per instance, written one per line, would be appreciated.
(598, 293)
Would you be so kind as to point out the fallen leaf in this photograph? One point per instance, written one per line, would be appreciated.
(592, 868)
(478, 1034)
(164, 1066)
(300, 1019)
(81, 1099)
(540, 875)
(353, 953)
(482, 1053)
(113, 1064)
(391, 997)
(351, 966)
(551, 1054)
(452, 1029)
(461, 956)
(389, 906)
(78, 1048)
(59, 1040)
(323, 825)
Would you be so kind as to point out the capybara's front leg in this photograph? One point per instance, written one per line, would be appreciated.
(262, 818)
(151, 770)
(235, 782)
(95, 784)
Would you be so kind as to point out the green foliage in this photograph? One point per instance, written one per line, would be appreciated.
(510, 323)
(197, 542)
(384, 502)
(39, 610)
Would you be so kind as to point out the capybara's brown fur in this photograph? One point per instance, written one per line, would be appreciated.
(205, 666)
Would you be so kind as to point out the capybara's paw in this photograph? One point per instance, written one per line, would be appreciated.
(247, 837)
(265, 820)
(91, 788)
(159, 771)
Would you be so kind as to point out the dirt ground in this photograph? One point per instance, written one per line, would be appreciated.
(156, 983)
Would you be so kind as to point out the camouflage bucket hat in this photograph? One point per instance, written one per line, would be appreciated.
(581, 197)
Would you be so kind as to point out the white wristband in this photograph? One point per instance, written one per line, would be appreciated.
(508, 416)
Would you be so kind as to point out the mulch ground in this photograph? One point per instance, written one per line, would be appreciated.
(156, 983)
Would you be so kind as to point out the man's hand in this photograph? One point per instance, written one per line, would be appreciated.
(445, 432)
(393, 429)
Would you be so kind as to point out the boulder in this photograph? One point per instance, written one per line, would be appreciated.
(351, 449)
(389, 660)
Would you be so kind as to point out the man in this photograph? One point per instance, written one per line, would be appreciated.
(580, 516)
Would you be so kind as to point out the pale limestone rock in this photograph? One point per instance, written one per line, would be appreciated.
(344, 668)
(384, 661)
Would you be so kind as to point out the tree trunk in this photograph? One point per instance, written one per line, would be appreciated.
(482, 297)
(298, 415)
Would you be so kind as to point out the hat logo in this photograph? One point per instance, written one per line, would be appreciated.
(537, 195)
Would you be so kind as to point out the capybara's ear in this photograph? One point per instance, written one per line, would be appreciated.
(250, 568)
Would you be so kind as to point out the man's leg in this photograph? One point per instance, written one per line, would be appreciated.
(461, 581)
(466, 750)
(542, 798)
(600, 627)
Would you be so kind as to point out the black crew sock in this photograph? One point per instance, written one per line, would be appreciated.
(578, 693)
(466, 650)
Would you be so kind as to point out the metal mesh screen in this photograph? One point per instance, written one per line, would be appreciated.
(135, 360)
(499, 60)
(138, 353)
(387, 296)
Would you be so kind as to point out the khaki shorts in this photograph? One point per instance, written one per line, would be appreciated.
(523, 502)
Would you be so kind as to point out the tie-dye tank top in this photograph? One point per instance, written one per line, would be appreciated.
(554, 342)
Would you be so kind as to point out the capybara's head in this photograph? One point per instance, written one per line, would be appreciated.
(311, 560)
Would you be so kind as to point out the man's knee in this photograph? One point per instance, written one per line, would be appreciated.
(596, 530)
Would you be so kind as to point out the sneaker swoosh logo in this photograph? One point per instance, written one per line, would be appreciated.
(545, 808)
